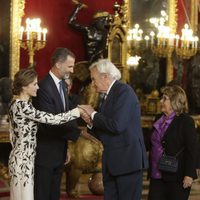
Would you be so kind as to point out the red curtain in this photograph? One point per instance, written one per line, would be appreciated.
(55, 16)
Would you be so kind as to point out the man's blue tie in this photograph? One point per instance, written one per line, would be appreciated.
(61, 93)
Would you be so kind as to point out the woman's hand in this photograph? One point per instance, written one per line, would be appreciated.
(87, 108)
(187, 182)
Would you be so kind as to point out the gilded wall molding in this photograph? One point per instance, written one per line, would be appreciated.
(118, 30)
(194, 15)
(172, 13)
(16, 13)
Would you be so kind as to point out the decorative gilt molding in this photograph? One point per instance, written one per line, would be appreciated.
(194, 15)
(16, 13)
(118, 29)
(172, 13)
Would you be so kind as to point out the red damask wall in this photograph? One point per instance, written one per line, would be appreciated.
(54, 15)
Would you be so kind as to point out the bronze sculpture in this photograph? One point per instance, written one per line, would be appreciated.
(95, 35)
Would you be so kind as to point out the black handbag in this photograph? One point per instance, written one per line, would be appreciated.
(169, 163)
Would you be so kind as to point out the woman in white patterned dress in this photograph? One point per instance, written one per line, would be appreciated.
(23, 127)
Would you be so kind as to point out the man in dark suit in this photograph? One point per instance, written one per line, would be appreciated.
(52, 140)
(117, 125)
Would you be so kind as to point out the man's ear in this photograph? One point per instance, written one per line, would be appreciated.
(57, 65)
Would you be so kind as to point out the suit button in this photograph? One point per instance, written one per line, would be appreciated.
(163, 142)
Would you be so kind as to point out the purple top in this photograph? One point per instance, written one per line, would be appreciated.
(160, 126)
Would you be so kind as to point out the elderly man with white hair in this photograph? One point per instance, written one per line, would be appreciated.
(117, 126)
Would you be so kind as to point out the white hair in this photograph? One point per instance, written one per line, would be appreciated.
(107, 67)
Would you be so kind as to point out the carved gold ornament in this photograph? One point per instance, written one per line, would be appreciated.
(16, 13)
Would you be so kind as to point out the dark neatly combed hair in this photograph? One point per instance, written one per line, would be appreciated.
(60, 55)
(23, 78)
(177, 98)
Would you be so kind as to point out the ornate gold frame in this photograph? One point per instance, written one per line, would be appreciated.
(16, 13)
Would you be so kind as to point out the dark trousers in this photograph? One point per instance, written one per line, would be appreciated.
(123, 187)
(167, 190)
(47, 182)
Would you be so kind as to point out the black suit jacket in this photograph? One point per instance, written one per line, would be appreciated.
(181, 133)
(52, 139)
(118, 127)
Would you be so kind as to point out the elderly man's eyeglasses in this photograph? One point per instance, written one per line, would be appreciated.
(165, 98)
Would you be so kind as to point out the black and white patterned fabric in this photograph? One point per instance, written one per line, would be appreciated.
(24, 119)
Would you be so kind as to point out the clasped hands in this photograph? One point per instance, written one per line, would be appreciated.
(85, 112)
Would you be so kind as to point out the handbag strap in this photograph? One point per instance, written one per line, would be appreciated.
(178, 153)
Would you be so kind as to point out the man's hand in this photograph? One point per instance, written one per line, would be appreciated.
(187, 182)
(87, 108)
(87, 119)
(85, 116)
(89, 137)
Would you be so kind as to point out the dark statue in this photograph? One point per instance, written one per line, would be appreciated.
(95, 39)
(95, 35)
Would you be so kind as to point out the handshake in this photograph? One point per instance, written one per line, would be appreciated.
(86, 112)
